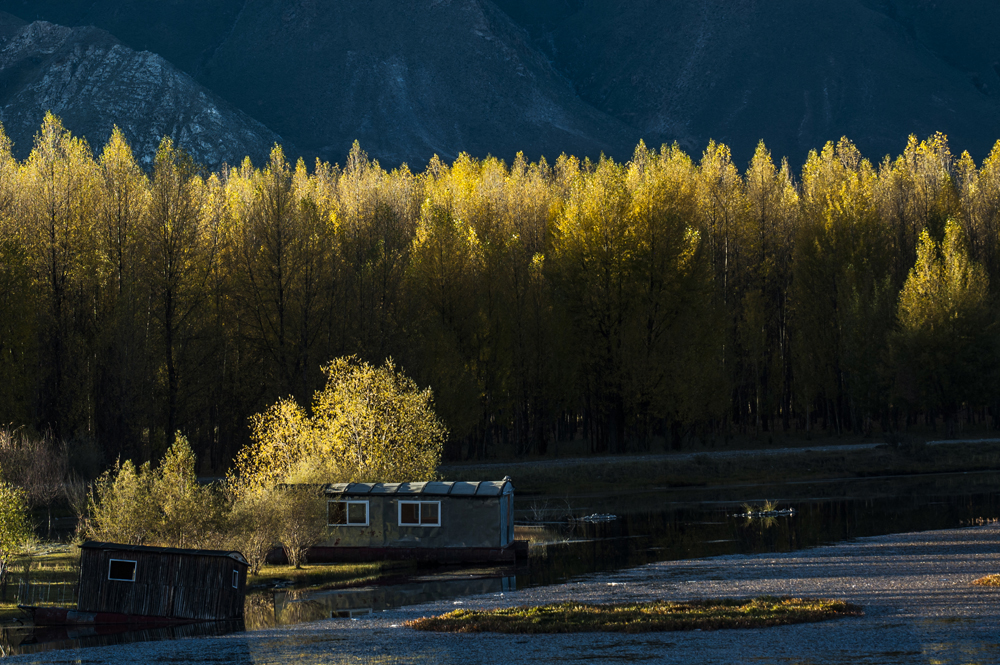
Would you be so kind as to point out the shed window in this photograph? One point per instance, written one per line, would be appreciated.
(122, 570)
(349, 513)
(420, 513)
(236, 579)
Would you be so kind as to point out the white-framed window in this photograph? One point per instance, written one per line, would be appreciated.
(340, 512)
(236, 579)
(121, 570)
(419, 513)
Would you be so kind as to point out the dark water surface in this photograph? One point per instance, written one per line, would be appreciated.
(649, 526)
(702, 522)
(19, 640)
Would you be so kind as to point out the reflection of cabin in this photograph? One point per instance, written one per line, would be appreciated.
(200, 585)
(351, 603)
(434, 521)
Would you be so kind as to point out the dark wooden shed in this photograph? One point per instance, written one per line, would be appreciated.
(167, 582)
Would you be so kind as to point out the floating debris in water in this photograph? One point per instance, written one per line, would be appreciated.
(596, 517)
(784, 512)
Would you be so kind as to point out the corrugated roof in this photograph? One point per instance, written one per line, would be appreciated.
(146, 549)
(491, 488)
(464, 488)
(457, 488)
(436, 487)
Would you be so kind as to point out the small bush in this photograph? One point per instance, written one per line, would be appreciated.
(252, 528)
(162, 506)
(301, 522)
(15, 529)
(35, 464)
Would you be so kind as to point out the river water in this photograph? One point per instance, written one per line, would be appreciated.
(585, 533)
(702, 522)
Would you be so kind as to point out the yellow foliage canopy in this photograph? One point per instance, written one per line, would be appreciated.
(369, 424)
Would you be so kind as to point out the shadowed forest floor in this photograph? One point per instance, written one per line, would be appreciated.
(786, 460)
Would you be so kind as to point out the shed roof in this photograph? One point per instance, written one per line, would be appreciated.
(456, 488)
(146, 549)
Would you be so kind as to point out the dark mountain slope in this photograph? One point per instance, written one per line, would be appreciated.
(185, 32)
(407, 79)
(94, 82)
(412, 78)
(795, 73)
(962, 34)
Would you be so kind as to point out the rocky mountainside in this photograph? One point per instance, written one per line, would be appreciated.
(581, 76)
(409, 79)
(406, 79)
(794, 73)
(185, 32)
(93, 82)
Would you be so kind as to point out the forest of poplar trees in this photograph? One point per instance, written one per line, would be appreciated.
(626, 305)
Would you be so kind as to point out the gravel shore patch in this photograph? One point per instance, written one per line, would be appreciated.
(916, 589)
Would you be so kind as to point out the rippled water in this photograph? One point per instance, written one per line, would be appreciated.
(668, 524)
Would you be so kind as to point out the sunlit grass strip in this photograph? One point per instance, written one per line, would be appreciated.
(989, 580)
(327, 575)
(571, 617)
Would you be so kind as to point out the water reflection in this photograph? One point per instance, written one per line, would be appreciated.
(300, 606)
(34, 639)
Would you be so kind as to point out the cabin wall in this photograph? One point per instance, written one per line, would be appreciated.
(506, 519)
(465, 522)
(166, 585)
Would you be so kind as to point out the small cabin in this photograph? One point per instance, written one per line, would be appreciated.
(452, 521)
(181, 584)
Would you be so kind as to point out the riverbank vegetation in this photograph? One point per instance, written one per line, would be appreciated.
(572, 617)
(629, 306)
(41, 577)
(321, 577)
(15, 529)
(367, 424)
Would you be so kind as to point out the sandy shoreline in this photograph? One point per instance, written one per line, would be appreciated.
(914, 587)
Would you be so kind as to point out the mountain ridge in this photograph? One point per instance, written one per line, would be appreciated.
(93, 82)
(412, 80)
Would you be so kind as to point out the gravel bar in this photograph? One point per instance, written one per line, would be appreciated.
(915, 588)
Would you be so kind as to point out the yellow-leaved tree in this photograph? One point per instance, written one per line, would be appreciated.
(946, 350)
(368, 424)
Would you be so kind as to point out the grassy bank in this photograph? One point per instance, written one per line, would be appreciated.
(48, 575)
(323, 576)
(723, 467)
(761, 612)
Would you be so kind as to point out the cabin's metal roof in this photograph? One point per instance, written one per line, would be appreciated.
(146, 549)
(456, 488)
